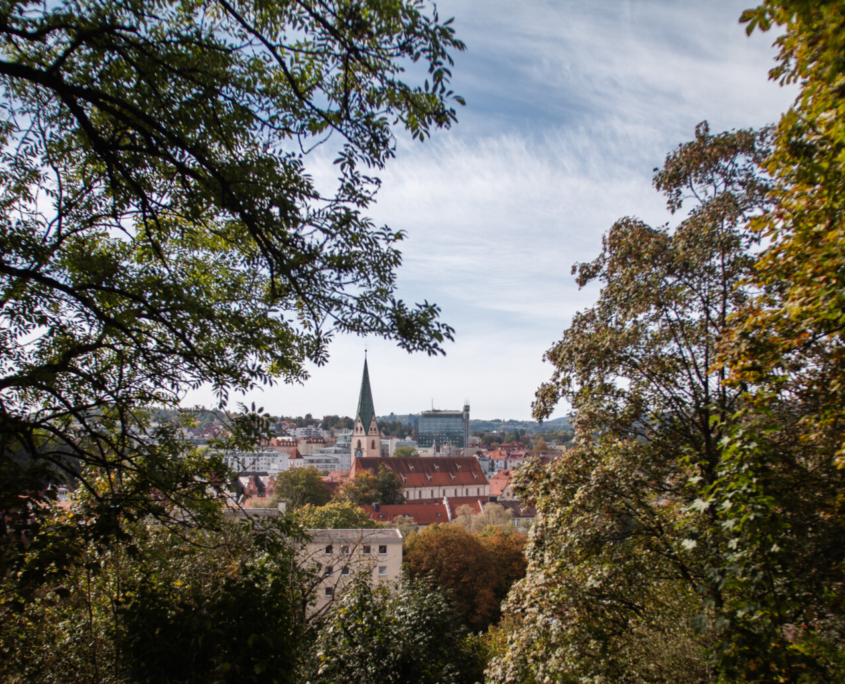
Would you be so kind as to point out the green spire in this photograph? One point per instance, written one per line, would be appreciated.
(366, 410)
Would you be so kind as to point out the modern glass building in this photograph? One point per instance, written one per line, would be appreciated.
(444, 427)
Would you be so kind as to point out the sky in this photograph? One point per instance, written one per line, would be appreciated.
(570, 107)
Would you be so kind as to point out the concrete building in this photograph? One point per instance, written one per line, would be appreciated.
(340, 555)
(334, 457)
(267, 460)
(437, 428)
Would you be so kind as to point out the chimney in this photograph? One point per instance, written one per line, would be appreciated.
(376, 506)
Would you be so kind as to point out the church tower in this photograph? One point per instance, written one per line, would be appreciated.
(366, 439)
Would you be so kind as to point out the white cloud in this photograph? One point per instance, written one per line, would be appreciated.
(570, 106)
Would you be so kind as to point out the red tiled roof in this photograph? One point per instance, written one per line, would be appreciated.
(423, 514)
(476, 503)
(499, 481)
(455, 502)
(423, 471)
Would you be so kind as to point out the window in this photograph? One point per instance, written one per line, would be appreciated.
(373, 444)
(344, 571)
(329, 550)
(382, 571)
(328, 592)
(329, 570)
(344, 550)
(382, 549)
(366, 549)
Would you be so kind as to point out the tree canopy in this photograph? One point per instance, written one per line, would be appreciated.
(161, 230)
(335, 515)
(620, 571)
(366, 488)
(302, 487)
(409, 633)
(459, 563)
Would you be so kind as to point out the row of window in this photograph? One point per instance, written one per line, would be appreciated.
(329, 591)
(456, 492)
(382, 570)
(366, 549)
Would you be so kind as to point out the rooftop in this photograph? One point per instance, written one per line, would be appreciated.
(382, 536)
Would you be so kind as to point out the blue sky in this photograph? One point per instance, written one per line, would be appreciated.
(570, 106)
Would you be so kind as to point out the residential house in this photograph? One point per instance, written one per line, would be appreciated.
(500, 486)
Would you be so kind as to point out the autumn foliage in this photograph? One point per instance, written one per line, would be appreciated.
(459, 562)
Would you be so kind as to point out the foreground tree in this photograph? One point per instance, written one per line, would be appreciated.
(405, 634)
(160, 230)
(618, 585)
(780, 489)
(190, 606)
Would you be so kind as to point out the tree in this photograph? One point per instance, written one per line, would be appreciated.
(161, 230)
(171, 606)
(492, 515)
(405, 524)
(459, 563)
(335, 515)
(507, 547)
(541, 445)
(405, 452)
(619, 584)
(381, 635)
(779, 490)
(300, 487)
(366, 488)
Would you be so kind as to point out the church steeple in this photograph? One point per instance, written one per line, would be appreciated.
(366, 410)
(366, 439)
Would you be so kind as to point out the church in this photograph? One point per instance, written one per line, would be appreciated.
(423, 478)
(366, 439)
